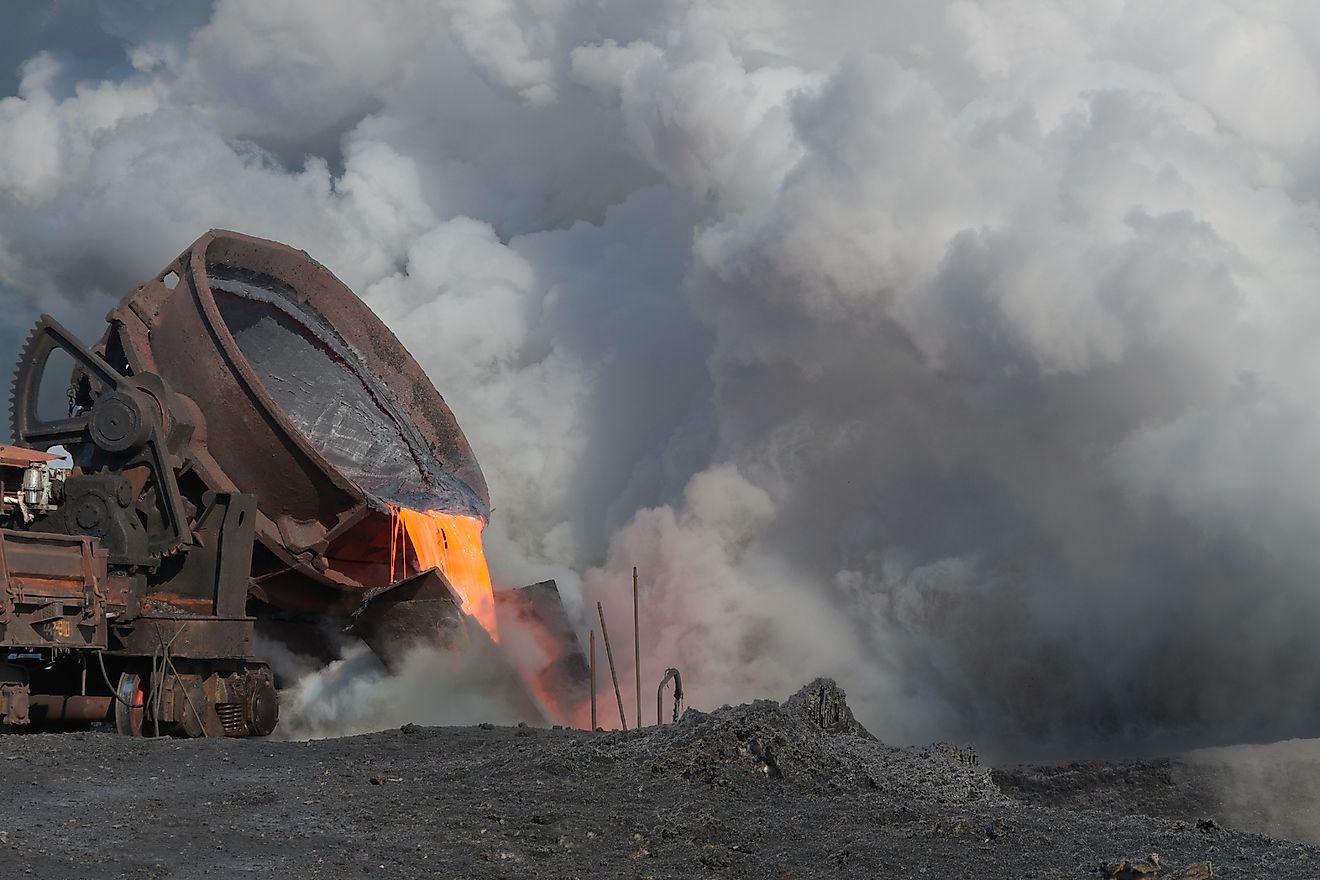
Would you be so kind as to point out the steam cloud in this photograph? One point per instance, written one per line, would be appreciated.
(961, 351)
(1260, 788)
(356, 694)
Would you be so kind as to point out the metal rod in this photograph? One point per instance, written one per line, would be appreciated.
(593, 679)
(609, 655)
(637, 650)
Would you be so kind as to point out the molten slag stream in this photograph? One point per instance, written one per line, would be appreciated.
(452, 544)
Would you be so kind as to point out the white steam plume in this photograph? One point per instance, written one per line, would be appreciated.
(962, 351)
(356, 694)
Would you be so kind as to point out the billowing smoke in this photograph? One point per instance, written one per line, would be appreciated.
(357, 694)
(1259, 788)
(962, 351)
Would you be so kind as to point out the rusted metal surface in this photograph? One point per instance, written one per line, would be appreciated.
(212, 577)
(15, 702)
(130, 706)
(50, 591)
(240, 438)
(124, 433)
(210, 335)
(200, 638)
(17, 456)
(420, 610)
(537, 614)
(189, 700)
(51, 708)
(127, 555)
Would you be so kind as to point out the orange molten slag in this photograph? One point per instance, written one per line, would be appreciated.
(452, 544)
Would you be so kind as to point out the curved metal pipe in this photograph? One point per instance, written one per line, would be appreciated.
(671, 674)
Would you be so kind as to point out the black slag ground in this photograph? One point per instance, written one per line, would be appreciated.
(755, 791)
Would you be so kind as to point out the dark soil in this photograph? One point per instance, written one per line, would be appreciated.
(756, 791)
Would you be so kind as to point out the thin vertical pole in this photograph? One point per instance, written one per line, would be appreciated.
(593, 679)
(609, 655)
(637, 649)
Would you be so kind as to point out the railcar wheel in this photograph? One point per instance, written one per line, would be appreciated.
(130, 708)
(263, 707)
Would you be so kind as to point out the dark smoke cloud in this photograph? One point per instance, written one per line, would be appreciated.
(962, 351)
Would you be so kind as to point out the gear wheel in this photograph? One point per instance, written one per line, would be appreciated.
(123, 425)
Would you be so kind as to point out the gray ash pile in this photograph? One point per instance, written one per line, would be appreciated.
(809, 745)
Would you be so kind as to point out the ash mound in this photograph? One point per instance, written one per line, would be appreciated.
(810, 742)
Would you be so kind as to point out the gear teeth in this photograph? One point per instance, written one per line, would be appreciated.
(25, 354)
